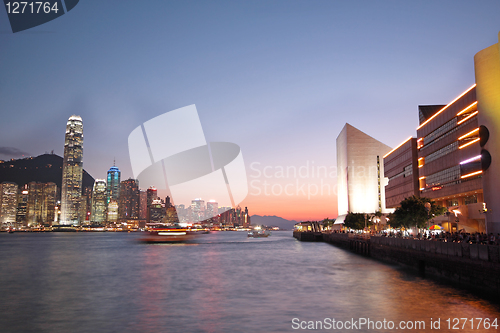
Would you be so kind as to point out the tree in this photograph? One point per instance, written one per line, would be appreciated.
(327, 223)
(356, 221)
(412, 212)
(375, 218)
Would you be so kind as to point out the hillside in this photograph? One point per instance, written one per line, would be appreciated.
(44, 168)
(272, 221)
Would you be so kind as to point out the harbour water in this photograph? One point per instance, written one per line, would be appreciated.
(222, 282)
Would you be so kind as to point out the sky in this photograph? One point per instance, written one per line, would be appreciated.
(278, 78)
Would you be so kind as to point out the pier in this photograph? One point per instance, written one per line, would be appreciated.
(469, 265)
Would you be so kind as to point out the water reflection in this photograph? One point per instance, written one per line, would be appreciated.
(223, 282)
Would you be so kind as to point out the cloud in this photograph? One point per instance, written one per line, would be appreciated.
(12, 152)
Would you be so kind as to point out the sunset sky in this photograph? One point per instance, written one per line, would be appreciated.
(278, 78)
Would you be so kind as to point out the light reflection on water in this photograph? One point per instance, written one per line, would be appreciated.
(223, 282)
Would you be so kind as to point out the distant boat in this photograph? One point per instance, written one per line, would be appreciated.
(259, 233)
(169, 235)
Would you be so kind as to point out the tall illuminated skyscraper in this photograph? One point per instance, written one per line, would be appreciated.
(8, 203)
(113, 189)
(72, 170)
(128, 205)
(98, 214)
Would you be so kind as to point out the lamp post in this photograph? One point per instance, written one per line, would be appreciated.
(427, 206)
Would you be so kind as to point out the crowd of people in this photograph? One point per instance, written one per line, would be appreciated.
(458, 237)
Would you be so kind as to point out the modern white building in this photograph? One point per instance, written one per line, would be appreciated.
(360, 173)
(487, 69)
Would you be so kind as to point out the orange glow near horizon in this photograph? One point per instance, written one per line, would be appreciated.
(469, 143)
(447, 106)
(402, 143)
(468, 117)
(467, 108)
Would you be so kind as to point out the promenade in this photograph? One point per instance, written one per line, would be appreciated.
(467, 264)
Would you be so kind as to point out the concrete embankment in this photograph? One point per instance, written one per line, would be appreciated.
(468, 265)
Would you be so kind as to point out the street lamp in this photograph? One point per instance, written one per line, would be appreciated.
(427, 206)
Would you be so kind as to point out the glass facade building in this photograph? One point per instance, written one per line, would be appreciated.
(113, 184)
(71, 190)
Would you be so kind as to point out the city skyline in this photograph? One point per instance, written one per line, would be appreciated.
(279, 79)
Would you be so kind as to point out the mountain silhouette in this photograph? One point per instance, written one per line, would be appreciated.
(44, 168)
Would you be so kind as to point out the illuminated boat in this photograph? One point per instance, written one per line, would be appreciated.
(169, 235)
(259, 233)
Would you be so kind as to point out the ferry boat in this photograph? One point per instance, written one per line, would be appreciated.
(169, 235)
(259, 233)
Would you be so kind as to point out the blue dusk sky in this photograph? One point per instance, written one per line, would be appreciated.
(278, 78)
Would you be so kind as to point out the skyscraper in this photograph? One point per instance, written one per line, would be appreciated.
(8, 203)
(113, 189)
(41, 204)
(98, 214)
(128, 205)
(152, 194)
(72, 170)
(49, 203)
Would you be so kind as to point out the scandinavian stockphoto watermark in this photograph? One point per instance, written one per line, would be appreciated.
(305, 180)
(309, 179)
(170, 152)
(385, 325)
(25, 15)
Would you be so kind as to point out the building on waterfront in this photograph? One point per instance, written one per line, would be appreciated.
(449, 162)
(197, 210)
(113, 184)
(113, 211)
(128, 204)
(212, 208)
(40, 204)
(49, 198)
(487, 71)
(156, 211)
(8, 203)
(151, 195)
(22, 205)
(143, 205)
(99, 197)
(71, 190)
(360, 173)
(401, 169)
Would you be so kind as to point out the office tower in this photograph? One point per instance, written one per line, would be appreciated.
(98, 214)
(143, 205)
(35, 204)
(246, 218)
(152, 194)
(360, 173)
(71, 190)
(113, 211)
(40, 204)
(8, 203)
(197, 210)
(401, 168)
(450, 165)
(156, 211)
(128, 205)
(113, 189)
(171, 215)
(212, 209)
(168, 203)
(22, 204)
(49, 196)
